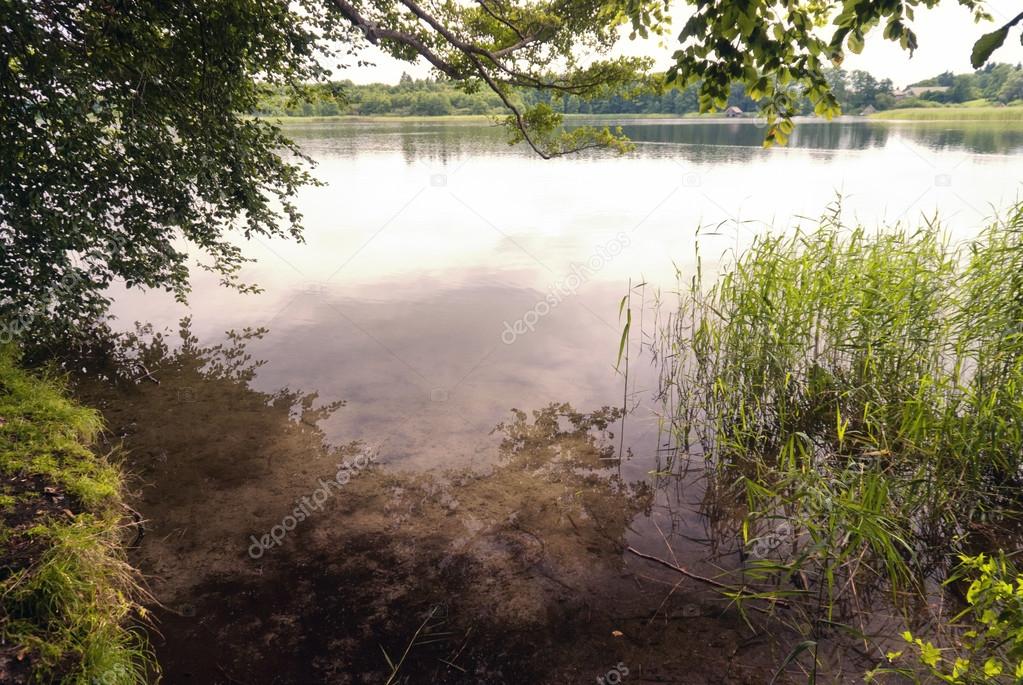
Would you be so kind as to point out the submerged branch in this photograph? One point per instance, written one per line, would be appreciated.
(702, 579)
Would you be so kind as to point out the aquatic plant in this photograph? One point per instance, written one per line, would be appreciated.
(864, 393)
(987, 636)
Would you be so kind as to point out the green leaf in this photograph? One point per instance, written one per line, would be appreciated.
(992, 668)
(987, 44)
(796, 651)
(625, 337)
(929, 654)
(856, 42)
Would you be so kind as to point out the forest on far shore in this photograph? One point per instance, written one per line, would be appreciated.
(856, 90)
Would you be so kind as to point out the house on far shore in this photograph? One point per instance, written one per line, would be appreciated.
(917, 91)
(733, 111)
(869, 109)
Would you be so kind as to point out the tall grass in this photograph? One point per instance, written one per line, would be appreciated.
(1012, 113)
(864, 392)
(69, 601)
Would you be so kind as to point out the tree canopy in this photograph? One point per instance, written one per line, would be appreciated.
(779, 50)
(126, 141)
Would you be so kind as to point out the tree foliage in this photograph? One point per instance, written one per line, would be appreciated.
(125, 142)
(504, 45)
(782, 49)
(854, 90)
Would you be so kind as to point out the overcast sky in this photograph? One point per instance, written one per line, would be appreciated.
(946, 35)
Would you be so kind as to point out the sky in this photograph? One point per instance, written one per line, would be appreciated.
(946, 35)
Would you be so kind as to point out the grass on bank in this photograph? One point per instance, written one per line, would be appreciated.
(864, 393)
(968, 112)
(68, 595)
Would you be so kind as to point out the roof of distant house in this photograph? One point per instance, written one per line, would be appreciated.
(916, 91)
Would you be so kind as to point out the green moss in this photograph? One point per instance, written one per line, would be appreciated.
(70, 600)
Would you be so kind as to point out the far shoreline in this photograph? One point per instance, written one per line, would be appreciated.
(1012, 115)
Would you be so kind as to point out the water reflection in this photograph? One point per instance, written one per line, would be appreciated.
(691, 139)
(398, 298)
(492, 577)
(425, 240)
(808, 134)
(438, 142)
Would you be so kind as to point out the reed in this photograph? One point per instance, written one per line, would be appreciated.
(1013, 113)
(864, 392)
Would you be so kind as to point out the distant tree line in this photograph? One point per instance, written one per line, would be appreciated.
(1002, 83)
(856, 90)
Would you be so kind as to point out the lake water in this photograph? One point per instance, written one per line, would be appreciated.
(427, 239)
(445, 280)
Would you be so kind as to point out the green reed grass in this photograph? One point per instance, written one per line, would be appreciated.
(992, 113)
(866, 388)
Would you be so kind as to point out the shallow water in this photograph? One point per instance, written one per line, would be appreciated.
(417, 301)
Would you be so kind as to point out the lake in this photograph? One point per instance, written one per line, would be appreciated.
(447, 279)
(428, 238)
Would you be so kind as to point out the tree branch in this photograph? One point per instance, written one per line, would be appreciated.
(475, 55)
(374, 32)
(703, 579)
(502, 20)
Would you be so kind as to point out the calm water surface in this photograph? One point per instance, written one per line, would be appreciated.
(427, 239)
(424, 248)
